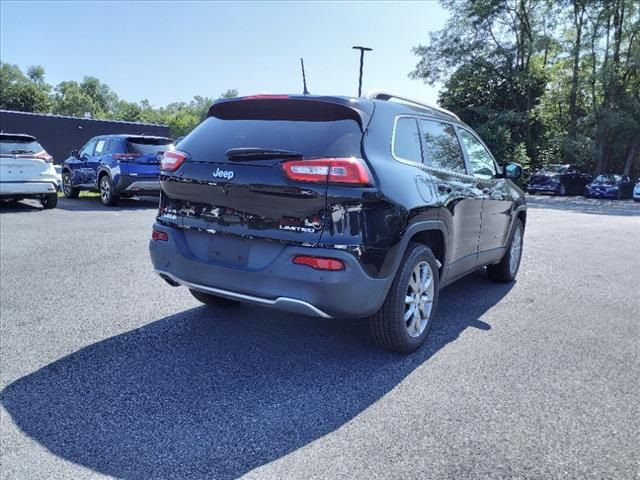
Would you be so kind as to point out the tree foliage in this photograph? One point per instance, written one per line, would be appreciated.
(542, 80)
(94, 99)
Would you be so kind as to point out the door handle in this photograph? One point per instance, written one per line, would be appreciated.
(444, 188)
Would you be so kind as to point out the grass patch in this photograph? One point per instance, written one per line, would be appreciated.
(83, 194)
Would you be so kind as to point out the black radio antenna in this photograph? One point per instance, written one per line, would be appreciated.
(362, 50)
(304, 78)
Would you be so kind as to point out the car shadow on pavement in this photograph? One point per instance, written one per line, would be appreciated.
(89, 204)
(210, 393)
(27, 206)
(597, 206)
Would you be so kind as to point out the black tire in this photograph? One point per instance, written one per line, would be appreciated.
(213, 300)
(107, 195)
(49, 201)
(67, 189)
(388, 327)
(502, 272)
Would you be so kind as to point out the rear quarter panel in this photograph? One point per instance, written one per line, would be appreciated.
(371, 222)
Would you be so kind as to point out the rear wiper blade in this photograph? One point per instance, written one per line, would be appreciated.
(253, 153)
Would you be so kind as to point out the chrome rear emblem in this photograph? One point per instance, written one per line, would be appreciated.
(226, 174)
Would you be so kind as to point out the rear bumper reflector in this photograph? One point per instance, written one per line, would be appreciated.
(319, 263)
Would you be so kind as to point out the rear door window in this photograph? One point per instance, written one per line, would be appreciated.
(148, 146)
(441, 147)
(406, 140)
(17, 145)
(480, 160)
(99, 147)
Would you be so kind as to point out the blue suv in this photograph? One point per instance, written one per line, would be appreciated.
(115, 166)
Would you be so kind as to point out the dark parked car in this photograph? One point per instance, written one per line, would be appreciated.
(559, 180)
(336, 207)
(610, 186)
(116, 166)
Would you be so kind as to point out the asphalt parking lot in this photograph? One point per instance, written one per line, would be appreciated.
(106, 371)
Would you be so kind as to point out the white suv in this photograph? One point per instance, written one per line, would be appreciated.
(26, 170)
(636, 191)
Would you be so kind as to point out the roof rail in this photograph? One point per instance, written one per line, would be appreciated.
(382, 95)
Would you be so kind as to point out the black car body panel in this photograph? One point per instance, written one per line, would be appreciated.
(234, 226)
(559, 180)
(610, 186)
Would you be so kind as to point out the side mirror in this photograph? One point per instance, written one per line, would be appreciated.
(74, 153)
(512, 171)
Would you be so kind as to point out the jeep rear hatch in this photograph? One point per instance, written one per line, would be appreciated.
(260, 167)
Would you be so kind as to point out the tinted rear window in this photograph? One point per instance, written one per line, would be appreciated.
(314, 129)
(441, 146)
(17, 145)
(148, 146)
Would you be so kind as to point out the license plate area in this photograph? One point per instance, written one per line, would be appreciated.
(229, 250)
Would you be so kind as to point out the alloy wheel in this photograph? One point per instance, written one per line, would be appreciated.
(105, 189)
(516, 251)
(419, 299)
(66, 184)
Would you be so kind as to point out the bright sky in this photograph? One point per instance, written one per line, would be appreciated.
(167, 51)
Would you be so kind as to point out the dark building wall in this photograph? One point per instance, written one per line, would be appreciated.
(59, 135)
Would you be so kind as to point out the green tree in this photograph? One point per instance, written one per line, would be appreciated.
(231, 93)
(71, 99)
(19, 92)
(560, 78)
(36, 73)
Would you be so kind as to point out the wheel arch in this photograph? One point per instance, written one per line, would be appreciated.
(432, 233)
(101, 172)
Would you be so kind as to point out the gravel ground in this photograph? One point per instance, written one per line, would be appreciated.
(106, 371)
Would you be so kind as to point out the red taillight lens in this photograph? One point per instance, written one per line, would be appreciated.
(347, 171)
(126, 156)
(43, 155)
(319, 263)
(158, 235)
(171, 160)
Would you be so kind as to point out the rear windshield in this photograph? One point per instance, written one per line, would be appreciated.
(16, 145)
(608, 179)
(315, 130)
(148, 146)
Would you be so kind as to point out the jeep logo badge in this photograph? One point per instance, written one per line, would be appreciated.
(226, 174)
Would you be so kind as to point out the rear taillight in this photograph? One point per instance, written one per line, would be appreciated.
(346, 171)
(158, 235)
(43, 155)
(319, 263)
(126, 156)
(170, 161)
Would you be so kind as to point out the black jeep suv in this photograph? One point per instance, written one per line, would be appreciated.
(335, 207)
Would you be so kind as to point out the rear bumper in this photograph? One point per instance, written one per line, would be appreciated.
(600, 194)
(35, 188)
(349, 293)
(137, 184)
